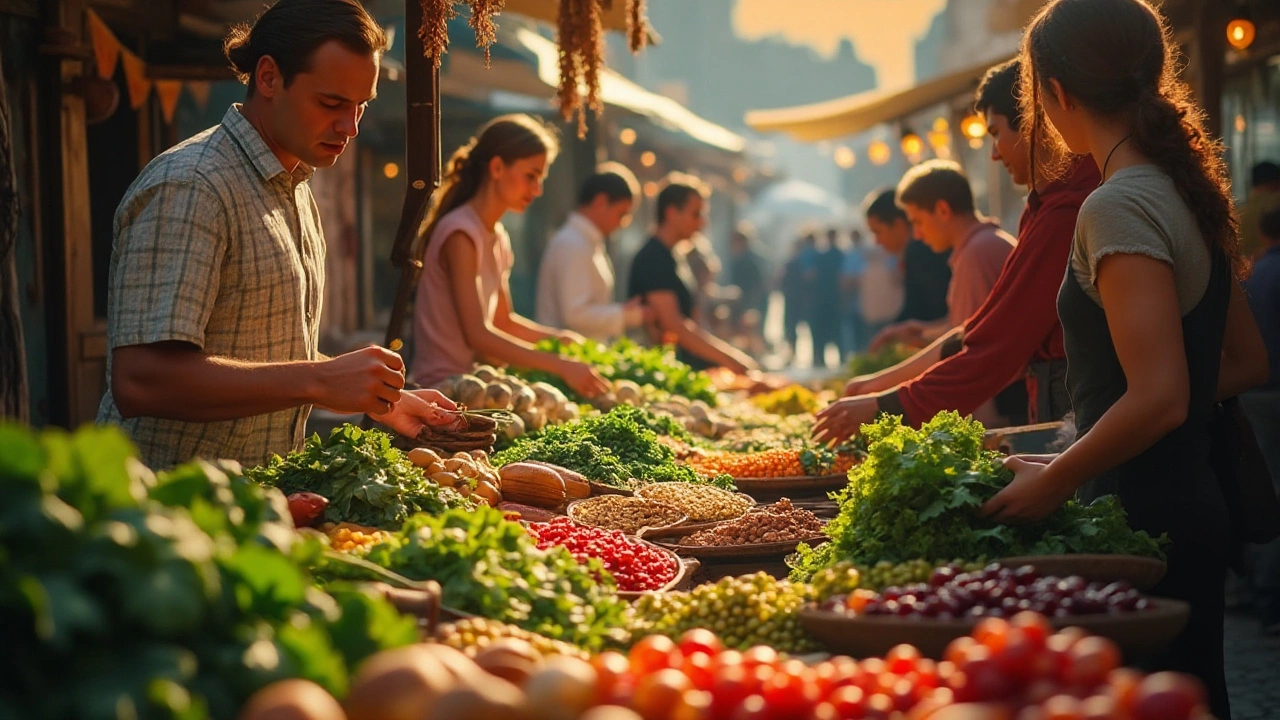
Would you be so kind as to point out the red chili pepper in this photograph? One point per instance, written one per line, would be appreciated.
(306, 508)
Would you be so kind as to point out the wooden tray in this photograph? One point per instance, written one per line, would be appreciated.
(776, 487)
(669, 538)
(1141, 572)
(1138, 634)
(570, 507)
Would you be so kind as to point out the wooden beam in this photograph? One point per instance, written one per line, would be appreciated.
(21, 8)
(190, 72)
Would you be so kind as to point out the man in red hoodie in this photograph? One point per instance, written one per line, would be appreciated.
(1015, 333)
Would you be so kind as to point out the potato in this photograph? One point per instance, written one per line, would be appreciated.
(433, 468)
(292, 700)
(423, 457)
(400, 684)
(562, 690)
(488, 492)
(511, 659)
(445, 479)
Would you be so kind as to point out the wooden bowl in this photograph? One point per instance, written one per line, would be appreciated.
(1141, 572)
(599, 488)
(682, 571)
(1137, 634)
(573, 510)
(793, 487)
(640, 492)
(670, 538)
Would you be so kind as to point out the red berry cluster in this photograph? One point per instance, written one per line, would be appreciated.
(635, 566)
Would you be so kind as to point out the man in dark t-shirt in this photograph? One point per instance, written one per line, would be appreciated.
(662, 278)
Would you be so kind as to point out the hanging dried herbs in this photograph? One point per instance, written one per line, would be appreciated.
(580, 34)
(434, 31)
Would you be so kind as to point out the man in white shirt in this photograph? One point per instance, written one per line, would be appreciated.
(576, 281)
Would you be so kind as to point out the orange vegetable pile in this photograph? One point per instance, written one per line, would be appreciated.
(764, 464)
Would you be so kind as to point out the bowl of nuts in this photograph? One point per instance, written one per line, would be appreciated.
(766, 531)
(703, 504)
(628, 514)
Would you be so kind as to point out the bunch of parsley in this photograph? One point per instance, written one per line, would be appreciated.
(366, 480)
(917, 493)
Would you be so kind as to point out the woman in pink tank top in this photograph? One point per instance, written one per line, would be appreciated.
(462, 312)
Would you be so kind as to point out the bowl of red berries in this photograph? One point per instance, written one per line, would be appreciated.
(931, 615)
(637, 566)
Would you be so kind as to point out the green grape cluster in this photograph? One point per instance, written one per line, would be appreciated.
(743, 611)
(886, 574)
(839, 579)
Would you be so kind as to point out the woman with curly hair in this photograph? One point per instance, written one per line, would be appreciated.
(1157, 329)
(463, 310)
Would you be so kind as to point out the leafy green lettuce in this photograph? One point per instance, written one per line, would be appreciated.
(917, 493)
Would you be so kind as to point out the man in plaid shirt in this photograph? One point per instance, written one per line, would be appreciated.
(217, 271)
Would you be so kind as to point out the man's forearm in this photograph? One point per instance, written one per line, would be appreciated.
(194, 387)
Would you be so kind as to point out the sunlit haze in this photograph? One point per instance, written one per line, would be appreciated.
(883, 32)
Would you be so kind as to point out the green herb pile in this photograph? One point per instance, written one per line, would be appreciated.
(625, 360)
(917, 493)
(128, 595)
(613, 449)
(887, 356)
(492, 567)
(366, 480)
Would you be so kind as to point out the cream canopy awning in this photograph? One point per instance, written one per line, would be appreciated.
(855, 113)
(615, 14)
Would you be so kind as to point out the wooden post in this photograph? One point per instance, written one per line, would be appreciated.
(14, 392)
(422, 164)
(1211, 49)
(65, 161)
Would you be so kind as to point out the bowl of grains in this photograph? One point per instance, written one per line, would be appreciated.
(766, 531)
(628, 514)
(701, 503)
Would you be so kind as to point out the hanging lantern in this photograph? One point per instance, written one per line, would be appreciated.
(648, 159)
(845, 158)
(627, 136)
(974, 127)
(941, 125)
(1241, 31)
(879, 153)
(912, 145)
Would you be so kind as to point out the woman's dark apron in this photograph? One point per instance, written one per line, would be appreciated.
(1170, 488)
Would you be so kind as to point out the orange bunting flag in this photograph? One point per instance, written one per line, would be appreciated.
(168, 91)
(199, 90)
(135, 73)
(106, 48)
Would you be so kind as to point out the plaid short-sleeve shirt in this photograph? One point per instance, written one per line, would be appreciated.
(217, 245)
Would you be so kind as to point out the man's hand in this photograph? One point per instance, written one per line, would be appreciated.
(636, 313)
(840, 420)
(418, 409)
(583, 379)
(368, 380)
(909, 331)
